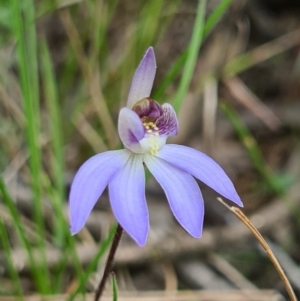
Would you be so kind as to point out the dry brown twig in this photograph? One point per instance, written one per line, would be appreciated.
(265, 246)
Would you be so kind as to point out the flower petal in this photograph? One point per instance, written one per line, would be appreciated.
(89, 183)
(127, 198)
(143, 78)
(182, 192)
(201, 167)
(167, 122)
(131, 130)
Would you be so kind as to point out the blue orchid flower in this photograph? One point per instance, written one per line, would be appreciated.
(144, 126)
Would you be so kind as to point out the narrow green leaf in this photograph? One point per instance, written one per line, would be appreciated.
(36, 271)
(14, 276)
(56, 139)
(252, 148)
(94, 263)
(114, 287)
(211, 22)
(192, 55)
(215, 16)
(23, 18)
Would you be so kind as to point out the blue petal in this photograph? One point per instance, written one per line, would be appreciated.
(201, 167)
(89, 183)
(131, 130)
(143, 78)
(127, 198)
(182, 192)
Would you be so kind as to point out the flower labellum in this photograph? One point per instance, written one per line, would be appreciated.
(144, 126)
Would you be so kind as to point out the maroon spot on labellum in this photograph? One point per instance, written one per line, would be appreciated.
(148, 109)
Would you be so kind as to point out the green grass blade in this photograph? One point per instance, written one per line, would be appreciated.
(14, 276)
(147, 25)
(179, 63)
(36, 271)
(94, 263)
(56, 139)
(69, 241)
(253, 150)
(114, 287)
(193, 50)
(23, 16)
(175, 69)
(101, 13)
(215, 16)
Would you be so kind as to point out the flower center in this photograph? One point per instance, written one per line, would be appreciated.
(153, 137)
(150, 112)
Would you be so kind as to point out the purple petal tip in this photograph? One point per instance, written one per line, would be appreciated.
(143, 78)
(150, 55)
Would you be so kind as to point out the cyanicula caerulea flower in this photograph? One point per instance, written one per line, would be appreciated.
(144, 126)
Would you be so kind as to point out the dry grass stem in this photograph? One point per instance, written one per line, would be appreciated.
(210, 105)
(265, 246)
(265, 51)
(88, 132)
(242, 94)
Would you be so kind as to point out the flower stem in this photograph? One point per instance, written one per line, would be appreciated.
(109, 262)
